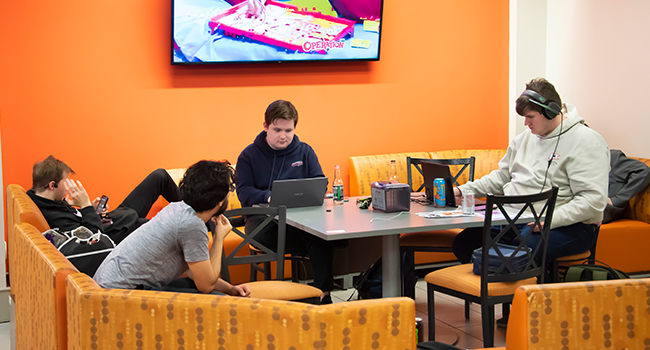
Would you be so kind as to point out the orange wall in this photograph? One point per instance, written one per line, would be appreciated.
(90, 82)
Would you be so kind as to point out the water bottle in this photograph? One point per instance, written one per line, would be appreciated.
(337, 186)
(393, 172)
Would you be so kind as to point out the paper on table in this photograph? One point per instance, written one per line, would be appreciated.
(441, 214)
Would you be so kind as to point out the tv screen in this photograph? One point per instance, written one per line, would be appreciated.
(235, 31)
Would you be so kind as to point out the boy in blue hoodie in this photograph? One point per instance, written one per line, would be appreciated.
(278, 154)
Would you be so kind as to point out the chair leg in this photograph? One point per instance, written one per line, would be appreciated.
(505, 310)
(487, 314)
(294, 270)
(267, 272)
(555, 272)
(467, 305)
(431, 306)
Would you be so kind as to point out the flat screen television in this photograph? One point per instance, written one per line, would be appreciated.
(239, 31)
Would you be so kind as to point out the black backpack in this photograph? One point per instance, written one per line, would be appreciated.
(369, 283)
(85, 250)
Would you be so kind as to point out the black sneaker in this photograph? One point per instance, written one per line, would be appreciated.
(502, 322)
(327, 299)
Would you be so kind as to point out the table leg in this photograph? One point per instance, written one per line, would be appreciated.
(390, 267)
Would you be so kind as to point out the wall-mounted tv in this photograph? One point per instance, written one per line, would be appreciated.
(238, 31)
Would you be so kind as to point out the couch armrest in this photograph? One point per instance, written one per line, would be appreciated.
(108, 319)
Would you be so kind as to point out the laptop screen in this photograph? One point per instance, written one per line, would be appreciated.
(298, 193)
(431, 171)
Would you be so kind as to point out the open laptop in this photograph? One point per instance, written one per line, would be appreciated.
(431, 171)
(298, 193)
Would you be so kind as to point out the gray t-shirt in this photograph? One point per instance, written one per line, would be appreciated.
(157, 252)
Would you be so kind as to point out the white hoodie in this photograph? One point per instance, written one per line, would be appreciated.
(579, 169)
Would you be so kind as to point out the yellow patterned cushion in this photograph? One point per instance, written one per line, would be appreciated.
(127, 319)
(364, 170)
(461, 278)
(486, 161)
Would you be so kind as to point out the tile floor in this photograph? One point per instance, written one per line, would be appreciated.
(450, 322)
(450, 318)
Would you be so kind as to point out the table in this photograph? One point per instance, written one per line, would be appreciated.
(345, 221)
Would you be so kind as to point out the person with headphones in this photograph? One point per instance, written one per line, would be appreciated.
(559, 150)
(65, 204)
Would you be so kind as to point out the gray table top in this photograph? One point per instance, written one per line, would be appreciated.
(344, 221)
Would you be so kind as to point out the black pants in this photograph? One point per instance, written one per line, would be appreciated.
(302, 243)
(134, 209)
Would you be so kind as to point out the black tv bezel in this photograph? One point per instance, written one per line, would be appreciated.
(247, 62)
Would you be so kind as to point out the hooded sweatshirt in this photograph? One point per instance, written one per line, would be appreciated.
(579, 169)
(259, 165)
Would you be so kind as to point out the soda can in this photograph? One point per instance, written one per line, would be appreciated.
(419, 329)
(468, 202)
(439, 199)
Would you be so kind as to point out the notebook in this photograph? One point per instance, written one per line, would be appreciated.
(298, 193)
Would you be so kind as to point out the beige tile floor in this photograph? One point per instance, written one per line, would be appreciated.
(450, 318)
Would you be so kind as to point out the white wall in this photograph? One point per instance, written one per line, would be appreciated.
(598, 57)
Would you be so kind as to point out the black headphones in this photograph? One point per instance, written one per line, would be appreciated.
(550, 109)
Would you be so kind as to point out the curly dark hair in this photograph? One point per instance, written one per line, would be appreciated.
(206, 183)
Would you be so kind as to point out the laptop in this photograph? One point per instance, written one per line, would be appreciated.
(299, 193)
(431, 171)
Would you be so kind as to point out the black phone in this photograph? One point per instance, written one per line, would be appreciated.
(101, 205)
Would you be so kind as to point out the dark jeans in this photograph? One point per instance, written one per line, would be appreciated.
(156, 184)
(133, 211)
(181, 285)
(302, 243)
(563, 241)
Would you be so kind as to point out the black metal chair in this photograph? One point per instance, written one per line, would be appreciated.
(497, 284)
(431, 241)
(267, 289)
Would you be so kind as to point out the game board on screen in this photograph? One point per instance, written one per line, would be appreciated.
(237, 31)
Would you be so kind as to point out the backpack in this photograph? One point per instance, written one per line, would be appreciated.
(597, 271)
(85, 250)
(369, 283)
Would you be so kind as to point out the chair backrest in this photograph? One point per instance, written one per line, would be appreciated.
(463, 163)
(266, 254)
(541, 207)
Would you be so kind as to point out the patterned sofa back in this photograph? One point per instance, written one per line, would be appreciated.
(128, 319)
(38, 273)
(585, 315)
(364, 170)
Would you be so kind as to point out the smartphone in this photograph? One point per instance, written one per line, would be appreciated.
(101, 205)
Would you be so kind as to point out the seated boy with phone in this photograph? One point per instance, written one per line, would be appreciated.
(65, 204)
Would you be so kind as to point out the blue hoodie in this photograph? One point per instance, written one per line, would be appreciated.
(259, 165)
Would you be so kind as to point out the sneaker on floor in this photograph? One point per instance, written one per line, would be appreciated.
(502, 322)
(327, 299)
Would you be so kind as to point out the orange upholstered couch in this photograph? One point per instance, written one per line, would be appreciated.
(90, 317)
